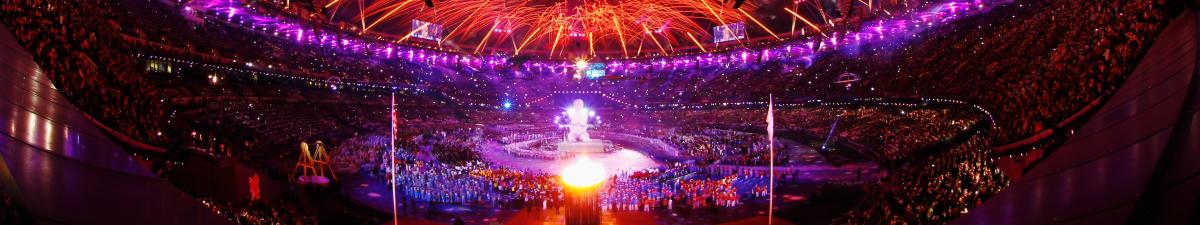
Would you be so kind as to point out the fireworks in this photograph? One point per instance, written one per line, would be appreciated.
(549, 27)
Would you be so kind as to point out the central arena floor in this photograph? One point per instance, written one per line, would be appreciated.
(806, 171)
(623, 160)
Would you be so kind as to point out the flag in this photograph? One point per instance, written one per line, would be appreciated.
(771, 120)
(771, 158)
(392, 117)
(391, 160)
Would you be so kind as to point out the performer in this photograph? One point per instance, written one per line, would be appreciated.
(577, 117)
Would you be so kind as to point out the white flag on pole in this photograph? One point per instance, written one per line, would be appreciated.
(771, 153)
(771, 120)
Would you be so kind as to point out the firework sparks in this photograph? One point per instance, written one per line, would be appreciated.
(599, 25)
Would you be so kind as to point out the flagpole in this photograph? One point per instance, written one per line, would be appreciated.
(391, 160)
(771, 153)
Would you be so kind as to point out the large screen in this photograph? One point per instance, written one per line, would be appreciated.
(729, 32)
(595, 70)
(426, 30)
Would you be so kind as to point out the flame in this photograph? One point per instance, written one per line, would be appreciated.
(583, 173)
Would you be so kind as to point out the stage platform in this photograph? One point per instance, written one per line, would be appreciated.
(614, 162)
(593, 146)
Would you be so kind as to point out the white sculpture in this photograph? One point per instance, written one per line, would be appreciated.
(577, 117)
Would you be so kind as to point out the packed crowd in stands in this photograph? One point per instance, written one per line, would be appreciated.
(886, 133)
(933, 191)
(257, 213)
(1025, 107)
(1033, 81)
(452, 147)
(1030, 80)
(724, 147)
(96, 53)
(89, 67)
(894, 135)
(360, 153)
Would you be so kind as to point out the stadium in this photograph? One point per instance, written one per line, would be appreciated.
(587, 112)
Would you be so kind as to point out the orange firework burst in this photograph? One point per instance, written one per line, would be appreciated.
(547, 27)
